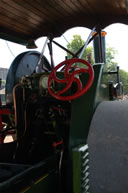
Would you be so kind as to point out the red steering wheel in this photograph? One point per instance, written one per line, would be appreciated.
(70, 75)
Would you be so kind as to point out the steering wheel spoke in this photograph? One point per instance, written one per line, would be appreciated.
(79, 84)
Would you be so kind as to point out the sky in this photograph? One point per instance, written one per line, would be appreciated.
(117, 37)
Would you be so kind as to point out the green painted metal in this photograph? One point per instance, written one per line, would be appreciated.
(99, 48)
(80, 169)
(83, 109)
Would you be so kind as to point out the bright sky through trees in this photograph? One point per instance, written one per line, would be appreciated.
(117, 37)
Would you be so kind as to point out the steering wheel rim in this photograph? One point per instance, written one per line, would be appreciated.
(70, 78)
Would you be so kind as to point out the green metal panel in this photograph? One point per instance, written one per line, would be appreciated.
(98, 50)
(80, 169)
(83, 109)
(82, 112)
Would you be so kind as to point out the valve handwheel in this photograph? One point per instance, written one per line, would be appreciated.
(70, 75)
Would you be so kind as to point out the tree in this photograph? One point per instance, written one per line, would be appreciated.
(124, 80)
(110, 56)
(111, 52)
(76, 44)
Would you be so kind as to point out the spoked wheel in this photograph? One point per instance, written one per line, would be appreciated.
(71, 75)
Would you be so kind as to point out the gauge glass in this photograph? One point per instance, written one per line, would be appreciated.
(44, 82)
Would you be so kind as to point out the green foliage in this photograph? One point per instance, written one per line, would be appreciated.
(76, 44)
(111, 52)
(112, 66)
(3, 82)
(110, 56)
(124, 80)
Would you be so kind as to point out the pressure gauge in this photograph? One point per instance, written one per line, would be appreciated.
(44, 82)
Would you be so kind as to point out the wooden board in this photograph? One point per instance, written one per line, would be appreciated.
(22, 20)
